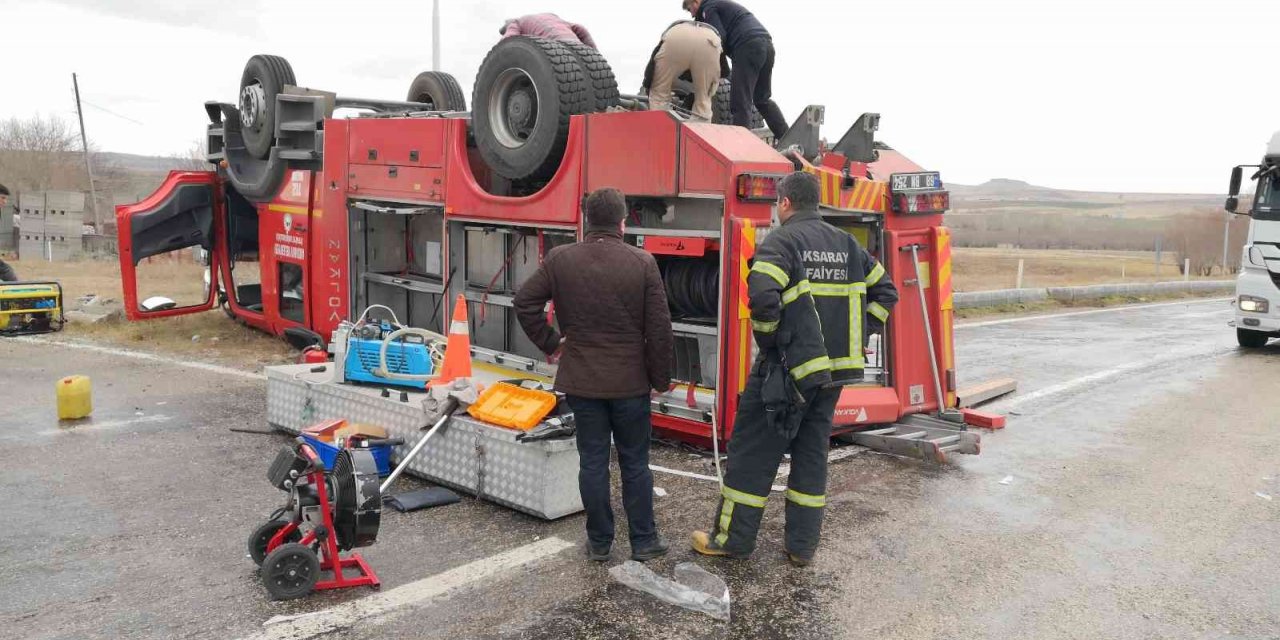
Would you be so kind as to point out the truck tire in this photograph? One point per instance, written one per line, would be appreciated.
(721, 112)
(525, 93)
(263, 79)
(1251, 339)
(438, 89)
(603, 84)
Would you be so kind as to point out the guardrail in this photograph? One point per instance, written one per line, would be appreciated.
(1000, 297)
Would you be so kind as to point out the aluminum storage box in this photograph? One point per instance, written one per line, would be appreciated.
(539, 478)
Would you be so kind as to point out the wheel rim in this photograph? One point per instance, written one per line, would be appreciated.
(253, 101)
(513, 108)
(291, 572)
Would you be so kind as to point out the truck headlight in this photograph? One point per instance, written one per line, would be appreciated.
(1253, 304)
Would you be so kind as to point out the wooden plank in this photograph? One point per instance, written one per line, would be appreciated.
(977, 394)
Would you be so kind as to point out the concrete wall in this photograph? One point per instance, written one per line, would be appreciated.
(972, 299)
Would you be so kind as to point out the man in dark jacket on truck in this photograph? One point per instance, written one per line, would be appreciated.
(749, 45)
(615, 336)
(810, 290)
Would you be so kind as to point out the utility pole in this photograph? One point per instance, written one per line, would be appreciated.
(435, 35)
(88, 165)
(1226, 235)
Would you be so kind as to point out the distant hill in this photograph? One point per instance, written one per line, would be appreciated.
(133, 163)
(1004, 194)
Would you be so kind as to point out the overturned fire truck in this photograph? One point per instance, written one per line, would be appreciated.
(308, 218)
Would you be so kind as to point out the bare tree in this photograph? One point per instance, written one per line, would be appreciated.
(41, 153)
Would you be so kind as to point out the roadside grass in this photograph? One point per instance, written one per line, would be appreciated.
(1049, 306)
(984, 269)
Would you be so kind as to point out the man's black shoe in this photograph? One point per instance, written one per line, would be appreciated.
(599, 554)
(655, 550)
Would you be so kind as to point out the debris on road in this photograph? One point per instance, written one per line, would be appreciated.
(1262, 495)
(694, 588)
(1007, 480)
(660, 492)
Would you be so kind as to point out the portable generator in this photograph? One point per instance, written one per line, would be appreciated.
(327, 513)
(30, 307)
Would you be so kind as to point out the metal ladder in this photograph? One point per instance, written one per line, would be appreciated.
(920, 436)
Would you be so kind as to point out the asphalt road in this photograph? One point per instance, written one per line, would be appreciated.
(1130, 497)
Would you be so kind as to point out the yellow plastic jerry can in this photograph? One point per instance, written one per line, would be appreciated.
(75, 397)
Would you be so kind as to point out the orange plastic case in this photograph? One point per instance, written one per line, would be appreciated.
(514, 407)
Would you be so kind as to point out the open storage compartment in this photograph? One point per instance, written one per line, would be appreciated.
(397, 259)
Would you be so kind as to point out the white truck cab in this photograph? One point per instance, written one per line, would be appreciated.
(1257, 301)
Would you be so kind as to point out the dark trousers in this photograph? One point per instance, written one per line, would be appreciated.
(752, 84)
(755, 450)
(627, 421)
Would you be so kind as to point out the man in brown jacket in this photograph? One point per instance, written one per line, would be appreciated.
(615, 340)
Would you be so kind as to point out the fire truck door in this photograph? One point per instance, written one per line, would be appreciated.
(170, 248)
(286, 229)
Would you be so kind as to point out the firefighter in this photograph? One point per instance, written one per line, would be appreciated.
(811, 290)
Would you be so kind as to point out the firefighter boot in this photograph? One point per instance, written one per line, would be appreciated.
(702, 543)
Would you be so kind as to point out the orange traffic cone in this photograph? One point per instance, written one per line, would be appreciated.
(457, 351)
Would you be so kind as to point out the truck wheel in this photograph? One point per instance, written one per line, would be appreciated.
(263, 79)
(1251, 339)
(438, 89)
(525, 93)
(603, 85)
(721, 113)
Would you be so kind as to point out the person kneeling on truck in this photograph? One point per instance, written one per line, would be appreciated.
(549, 26)
(692, 49)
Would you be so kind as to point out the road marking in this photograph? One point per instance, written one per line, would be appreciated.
(1072, 314)
(347, 614)
(1105, 374)
(784, 470)
(89, 427)
(138, 355)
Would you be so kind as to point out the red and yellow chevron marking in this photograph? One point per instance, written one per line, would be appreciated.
(746, 250)
(864, 195)
(947, 299)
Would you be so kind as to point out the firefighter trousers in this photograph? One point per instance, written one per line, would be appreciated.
(755, 451)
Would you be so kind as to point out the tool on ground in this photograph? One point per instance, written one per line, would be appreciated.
(447, 410)
(30, 307)
(75, 397)
(422, 499)
(943, 412)
(327, 513)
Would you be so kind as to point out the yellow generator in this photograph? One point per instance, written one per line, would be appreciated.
(30, 307)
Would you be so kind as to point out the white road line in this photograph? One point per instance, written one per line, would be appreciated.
(347, 614)
(1071, 314)
(1105, 374)
(88, 427)
(138, 355)
(784, 470)
(699, 476)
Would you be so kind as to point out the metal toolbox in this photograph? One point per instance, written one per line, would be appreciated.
(539, 478)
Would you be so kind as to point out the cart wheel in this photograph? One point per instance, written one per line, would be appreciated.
(261, 537)
(291, 571)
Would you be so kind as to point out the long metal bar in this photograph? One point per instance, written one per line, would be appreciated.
(404, 464)
(928, 330)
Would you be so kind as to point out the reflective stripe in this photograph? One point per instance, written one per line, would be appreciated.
(743, 498)
(726, 517)
(764, 327)
(855, 325)
(821, 363)
(793, 294)
(771, 270)
(840, 364)
(806, 500)
(837, 290)
(875, 274)
(876, 309)
(458, 327)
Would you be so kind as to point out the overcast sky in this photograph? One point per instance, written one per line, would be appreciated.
(1123, 95)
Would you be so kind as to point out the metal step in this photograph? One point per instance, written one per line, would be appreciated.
(920, 437)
